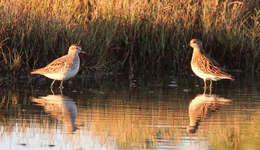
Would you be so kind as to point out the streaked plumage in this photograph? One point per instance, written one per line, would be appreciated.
(205, 67)
(62, 68)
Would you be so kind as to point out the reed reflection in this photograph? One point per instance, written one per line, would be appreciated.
(201, 107)
(61, 107)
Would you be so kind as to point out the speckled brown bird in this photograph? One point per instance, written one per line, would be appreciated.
(64, 67)
(205, 67)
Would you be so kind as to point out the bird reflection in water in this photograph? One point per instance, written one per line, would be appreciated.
(201, 106)
(61, 107)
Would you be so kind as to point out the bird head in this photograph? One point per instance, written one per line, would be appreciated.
(196, 43)
(74, 48)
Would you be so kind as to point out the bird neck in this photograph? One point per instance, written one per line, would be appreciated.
(196, 51)
(194, 122)
(73, 56)
(73, 53)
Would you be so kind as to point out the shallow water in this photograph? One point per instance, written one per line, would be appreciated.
(163, 114)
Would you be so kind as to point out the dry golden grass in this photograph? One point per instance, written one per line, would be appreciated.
(148, 33)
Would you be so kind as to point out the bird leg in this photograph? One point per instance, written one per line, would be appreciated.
(52, 91)
(204, 91)
(205, 86)
(210, 91)
(210, 86)
(61, 84)
(61, 91)
(52, 84)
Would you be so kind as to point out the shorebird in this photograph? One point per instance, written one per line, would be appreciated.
(205, 67)
(62, 68)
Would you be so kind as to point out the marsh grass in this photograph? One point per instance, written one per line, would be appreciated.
(136, 36)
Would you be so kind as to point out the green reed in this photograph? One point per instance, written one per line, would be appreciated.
(132, 35)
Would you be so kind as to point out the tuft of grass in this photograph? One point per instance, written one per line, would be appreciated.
(145, 36)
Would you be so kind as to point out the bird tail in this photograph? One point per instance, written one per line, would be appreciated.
(228, 76)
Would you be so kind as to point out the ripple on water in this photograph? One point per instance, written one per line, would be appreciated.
(123, 118)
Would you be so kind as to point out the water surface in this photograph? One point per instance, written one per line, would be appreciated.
(160, 114)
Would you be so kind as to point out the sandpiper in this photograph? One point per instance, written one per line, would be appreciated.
(205, 67)
(64, 67)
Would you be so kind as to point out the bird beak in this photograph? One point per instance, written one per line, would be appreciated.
(83, 52)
